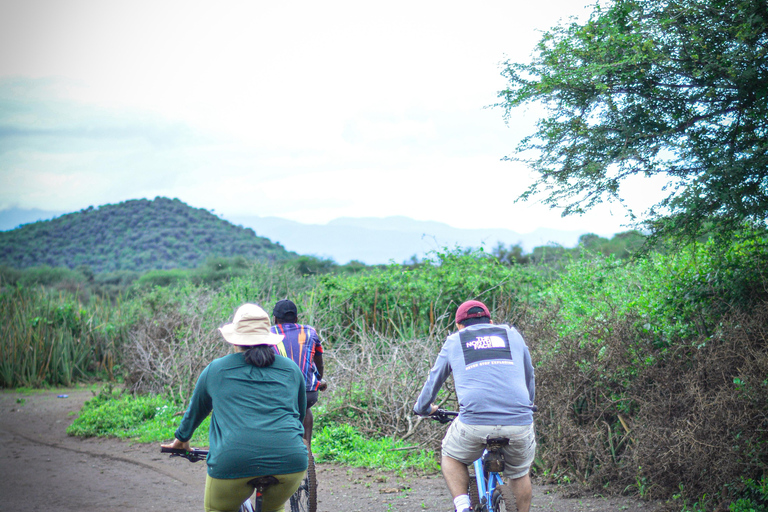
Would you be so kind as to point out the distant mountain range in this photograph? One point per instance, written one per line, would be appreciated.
(381, 240)
(368, 240)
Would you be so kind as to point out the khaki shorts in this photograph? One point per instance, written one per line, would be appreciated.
(465, 443)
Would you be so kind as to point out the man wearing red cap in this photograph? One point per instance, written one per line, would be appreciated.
(493, 376)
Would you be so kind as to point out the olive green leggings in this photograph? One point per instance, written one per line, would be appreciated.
(227, 495)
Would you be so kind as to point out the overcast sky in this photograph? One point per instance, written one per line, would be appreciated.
(304, 110)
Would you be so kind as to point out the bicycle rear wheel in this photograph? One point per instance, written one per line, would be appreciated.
(503, 500)
(247, 506)
(474, 497)
(305, 497)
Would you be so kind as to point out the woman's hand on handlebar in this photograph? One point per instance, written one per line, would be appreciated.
(433, 409)
(177, 445)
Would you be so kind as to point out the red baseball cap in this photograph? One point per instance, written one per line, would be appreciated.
(463, 312)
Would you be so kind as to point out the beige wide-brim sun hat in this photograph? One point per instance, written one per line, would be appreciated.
(250, 327)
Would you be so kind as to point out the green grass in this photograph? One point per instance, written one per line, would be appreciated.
(342, 443)
(154, 419)
(144, 419)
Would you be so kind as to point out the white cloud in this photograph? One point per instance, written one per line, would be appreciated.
(298, 109)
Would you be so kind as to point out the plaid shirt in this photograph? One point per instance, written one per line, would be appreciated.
(301, 342)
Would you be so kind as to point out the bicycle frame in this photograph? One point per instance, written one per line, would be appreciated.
(486, 484)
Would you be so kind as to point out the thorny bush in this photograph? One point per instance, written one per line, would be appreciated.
(628, 416)
(374, 383)
(170, 346)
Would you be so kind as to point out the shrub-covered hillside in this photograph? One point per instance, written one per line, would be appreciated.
(134, 235)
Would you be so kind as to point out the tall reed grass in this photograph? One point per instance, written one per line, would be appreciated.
(50, 339)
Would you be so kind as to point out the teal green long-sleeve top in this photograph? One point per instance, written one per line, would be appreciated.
(257, 421)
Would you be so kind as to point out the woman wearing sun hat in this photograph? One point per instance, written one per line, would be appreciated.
(258, 402)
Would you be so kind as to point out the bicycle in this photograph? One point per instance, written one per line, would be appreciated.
(487, 492)
(303, 500)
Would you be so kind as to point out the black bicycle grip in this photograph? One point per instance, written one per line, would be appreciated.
(177, 451)
(193, 455)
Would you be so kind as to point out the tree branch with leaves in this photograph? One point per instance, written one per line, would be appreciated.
(652, 87)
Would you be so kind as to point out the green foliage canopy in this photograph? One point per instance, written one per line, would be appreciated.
(653, 87)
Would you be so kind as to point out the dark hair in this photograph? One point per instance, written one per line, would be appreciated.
(260, 355)
(287, 319)
(476, 320)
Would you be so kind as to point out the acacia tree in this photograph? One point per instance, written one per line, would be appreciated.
(673, 87)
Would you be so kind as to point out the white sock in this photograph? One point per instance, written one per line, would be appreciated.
(461, 502)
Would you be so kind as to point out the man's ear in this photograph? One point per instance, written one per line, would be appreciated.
(459, 326)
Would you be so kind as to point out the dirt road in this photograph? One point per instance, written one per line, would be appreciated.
(44, 469)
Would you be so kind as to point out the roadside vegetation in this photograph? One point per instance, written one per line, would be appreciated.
(651, 370)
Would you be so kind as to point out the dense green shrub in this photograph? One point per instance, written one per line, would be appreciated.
(652, 373)
(419, 301)
(752, 496)
(155, 278)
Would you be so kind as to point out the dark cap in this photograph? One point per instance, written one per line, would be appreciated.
(285, 309)
(471, 309)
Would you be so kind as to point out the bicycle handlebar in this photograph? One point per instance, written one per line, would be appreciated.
(193, 455)
(445, 416)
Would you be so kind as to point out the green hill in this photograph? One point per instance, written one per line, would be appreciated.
(134, 235)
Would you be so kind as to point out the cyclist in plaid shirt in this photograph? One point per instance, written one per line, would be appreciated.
(302, 344)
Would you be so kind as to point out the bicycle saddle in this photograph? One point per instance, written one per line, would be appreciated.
(262, 481)
(498, 441)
